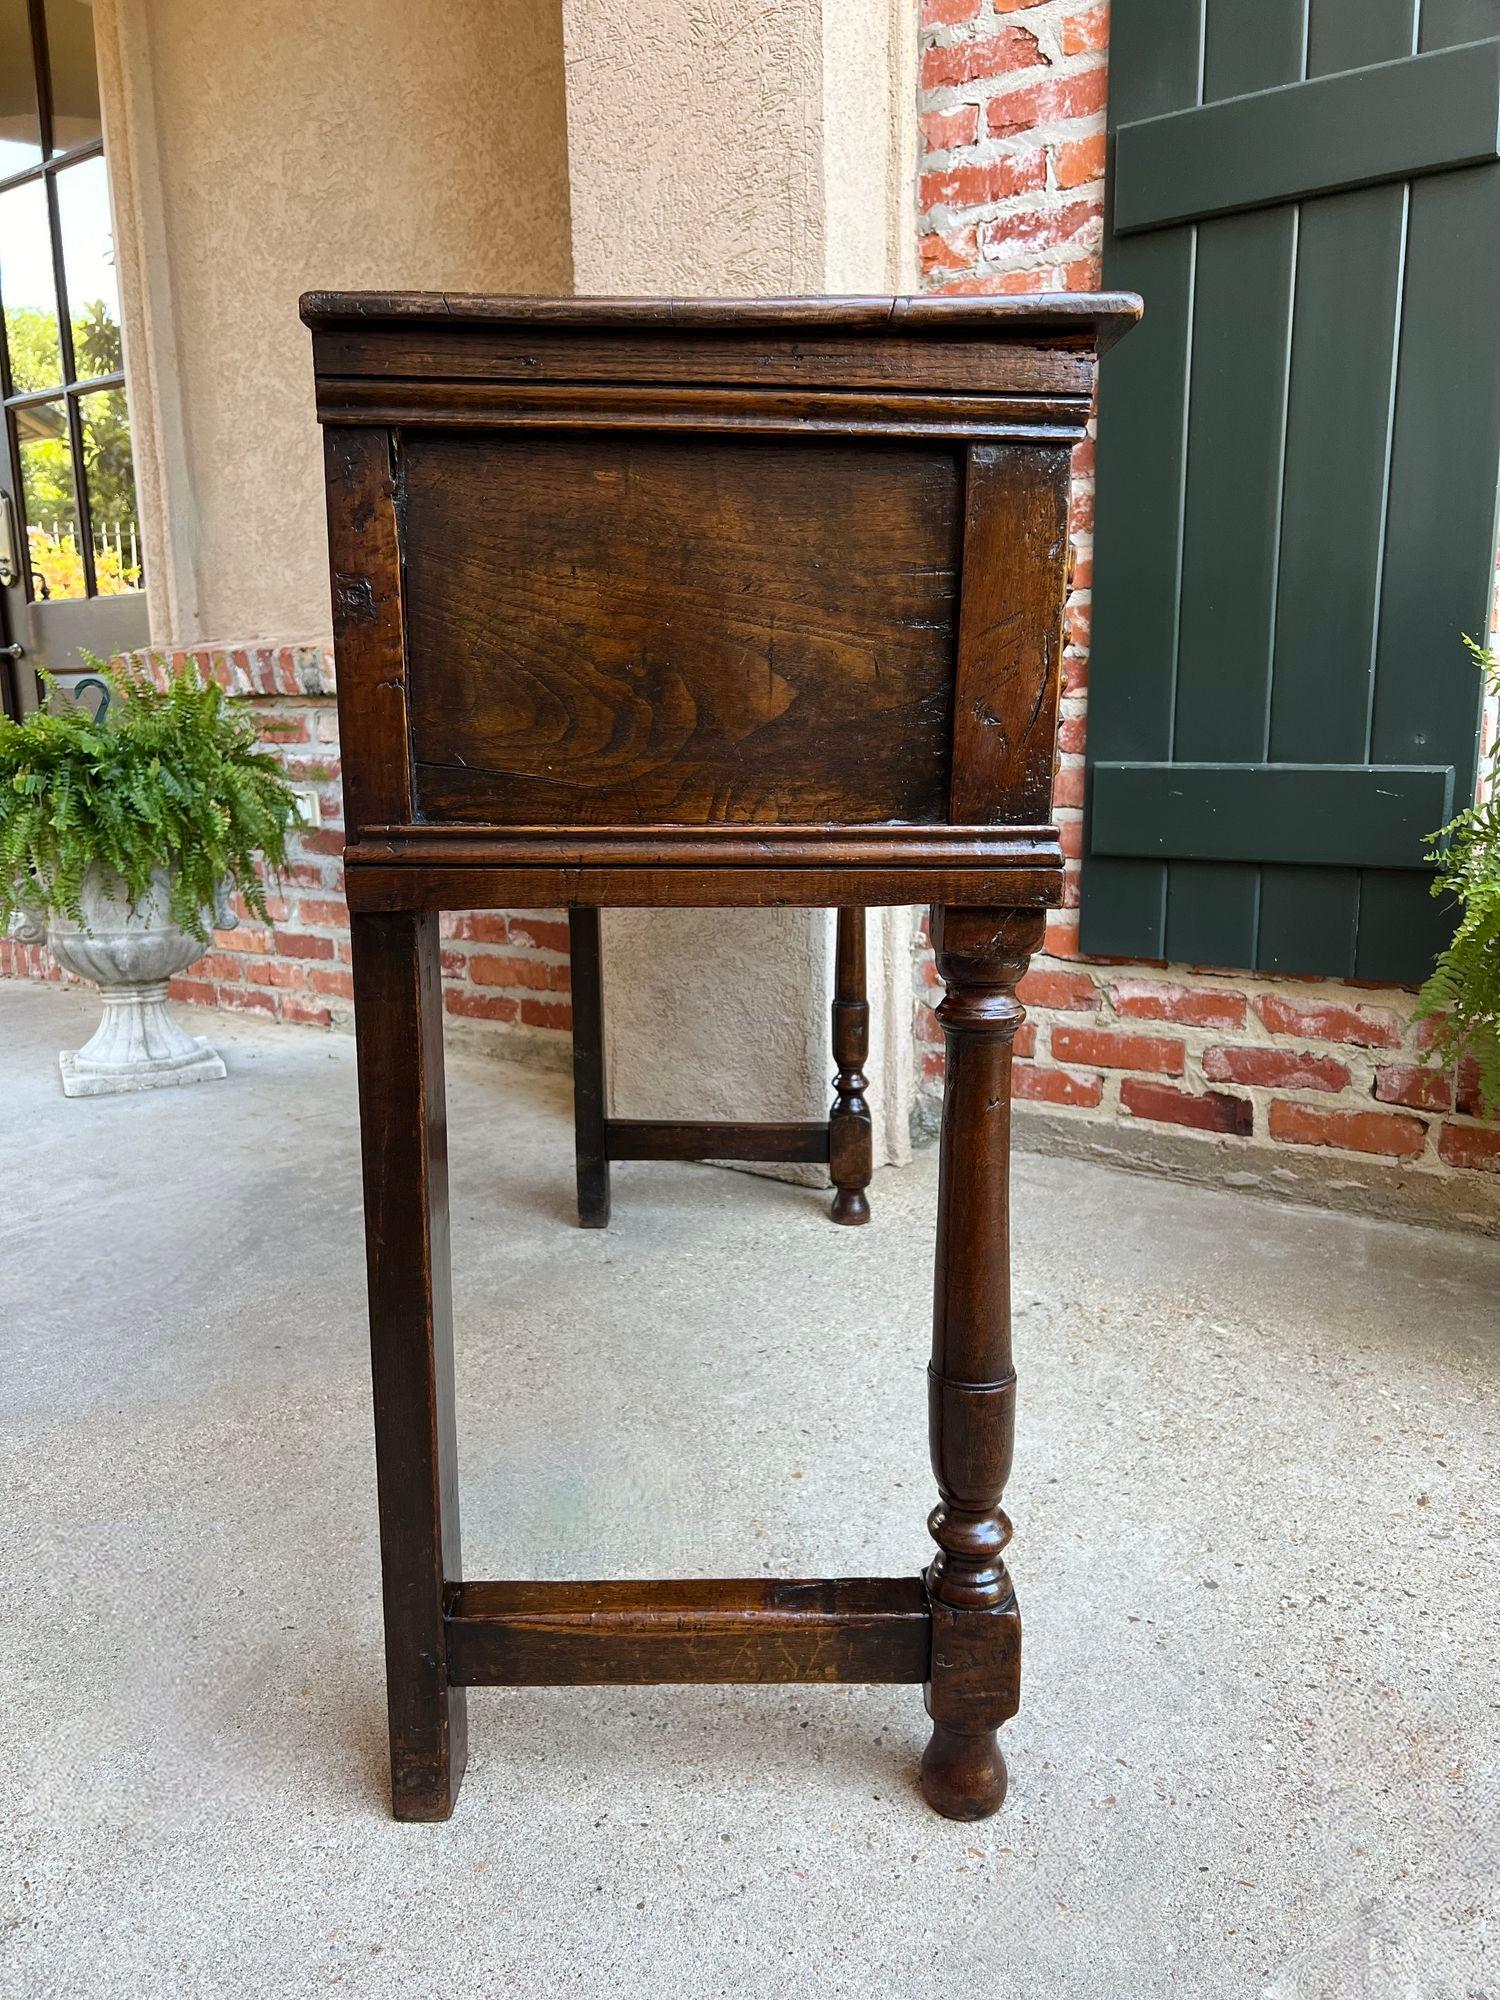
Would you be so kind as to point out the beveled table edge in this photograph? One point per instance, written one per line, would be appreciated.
(471, 867)
(1102, 317)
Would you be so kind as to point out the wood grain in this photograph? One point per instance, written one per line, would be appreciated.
(715, 1139)
(638, 629)
(754, 410)
(1015, 881)
(463, 868)
(975, 1685)
(364, 557)
(1015, 568)
(403, 1135)
(755, 1629)
(442, 358)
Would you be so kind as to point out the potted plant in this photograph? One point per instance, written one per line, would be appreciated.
(1463, 993)
(122, 838)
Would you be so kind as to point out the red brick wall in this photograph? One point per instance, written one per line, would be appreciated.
(505, 974)
(1011, 196)
(1011, 199)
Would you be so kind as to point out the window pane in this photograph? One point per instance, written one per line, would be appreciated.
(47, 500)
(89, 269)
(20, 128)
(109, 479)
(75, 76)
(27, 289)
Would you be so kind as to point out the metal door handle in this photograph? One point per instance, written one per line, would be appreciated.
(10, 570)
(12, 652)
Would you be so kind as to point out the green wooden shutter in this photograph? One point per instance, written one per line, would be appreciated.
(1298, 460)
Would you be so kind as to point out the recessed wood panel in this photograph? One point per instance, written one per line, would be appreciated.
(616, 630)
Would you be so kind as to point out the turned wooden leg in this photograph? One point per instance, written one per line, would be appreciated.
(403, 1134)
(976, 1628)
(850, 1146)
(590, 1084)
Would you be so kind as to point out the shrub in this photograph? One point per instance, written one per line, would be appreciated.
(1463, 992)
(172, 778)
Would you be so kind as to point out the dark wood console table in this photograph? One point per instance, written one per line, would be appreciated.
(701, 604)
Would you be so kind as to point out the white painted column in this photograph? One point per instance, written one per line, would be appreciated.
(734, 151)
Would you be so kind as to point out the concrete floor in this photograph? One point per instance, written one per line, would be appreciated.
(1255, 1547)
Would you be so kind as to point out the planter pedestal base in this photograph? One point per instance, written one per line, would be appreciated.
(137, 1046)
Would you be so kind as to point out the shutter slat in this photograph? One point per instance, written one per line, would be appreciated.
(1237, 417)
(1309, 920)
(1440, 533)
(1447, 22)
(1392, 121)
(1251, 47)
(1133, 661)
(1340, 815)
(1349, 269)
(1349, 34)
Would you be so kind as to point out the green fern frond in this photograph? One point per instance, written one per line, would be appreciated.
(1462, 994)
(174, 778)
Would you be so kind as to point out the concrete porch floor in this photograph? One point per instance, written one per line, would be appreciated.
(1255, 1549)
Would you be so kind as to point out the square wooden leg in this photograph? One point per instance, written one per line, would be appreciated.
(590, 1079)
(403, 1134)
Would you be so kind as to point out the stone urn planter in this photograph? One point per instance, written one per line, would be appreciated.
(130, 955)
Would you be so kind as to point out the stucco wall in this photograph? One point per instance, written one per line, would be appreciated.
(740, 151)
(696, 146)
(268, 146)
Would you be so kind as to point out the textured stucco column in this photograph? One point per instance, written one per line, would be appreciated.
(734, 151)
(266, 148)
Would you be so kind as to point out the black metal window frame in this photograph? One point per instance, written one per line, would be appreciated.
(70, 389)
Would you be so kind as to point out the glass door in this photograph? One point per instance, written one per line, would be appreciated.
(70, 552)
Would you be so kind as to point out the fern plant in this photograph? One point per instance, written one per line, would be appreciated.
(173, 777)
(1463, 992)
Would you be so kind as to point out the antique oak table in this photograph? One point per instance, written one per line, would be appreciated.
(695, 603)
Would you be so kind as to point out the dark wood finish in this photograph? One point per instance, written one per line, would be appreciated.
(390, 359)
(689, 631)
(757, 413)
(369, 631)
(699, 603)
(1043, 323)
(759, 1629)
(403, 1125)
(590, 1072)
(850, 1145)
(976, 1629)
(402, 867)
(721, 1139)
(1035, 881)
(1001, 346)
(1015, 569)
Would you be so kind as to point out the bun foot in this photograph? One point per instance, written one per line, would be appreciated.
(851, 1206)
(963, 1777)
